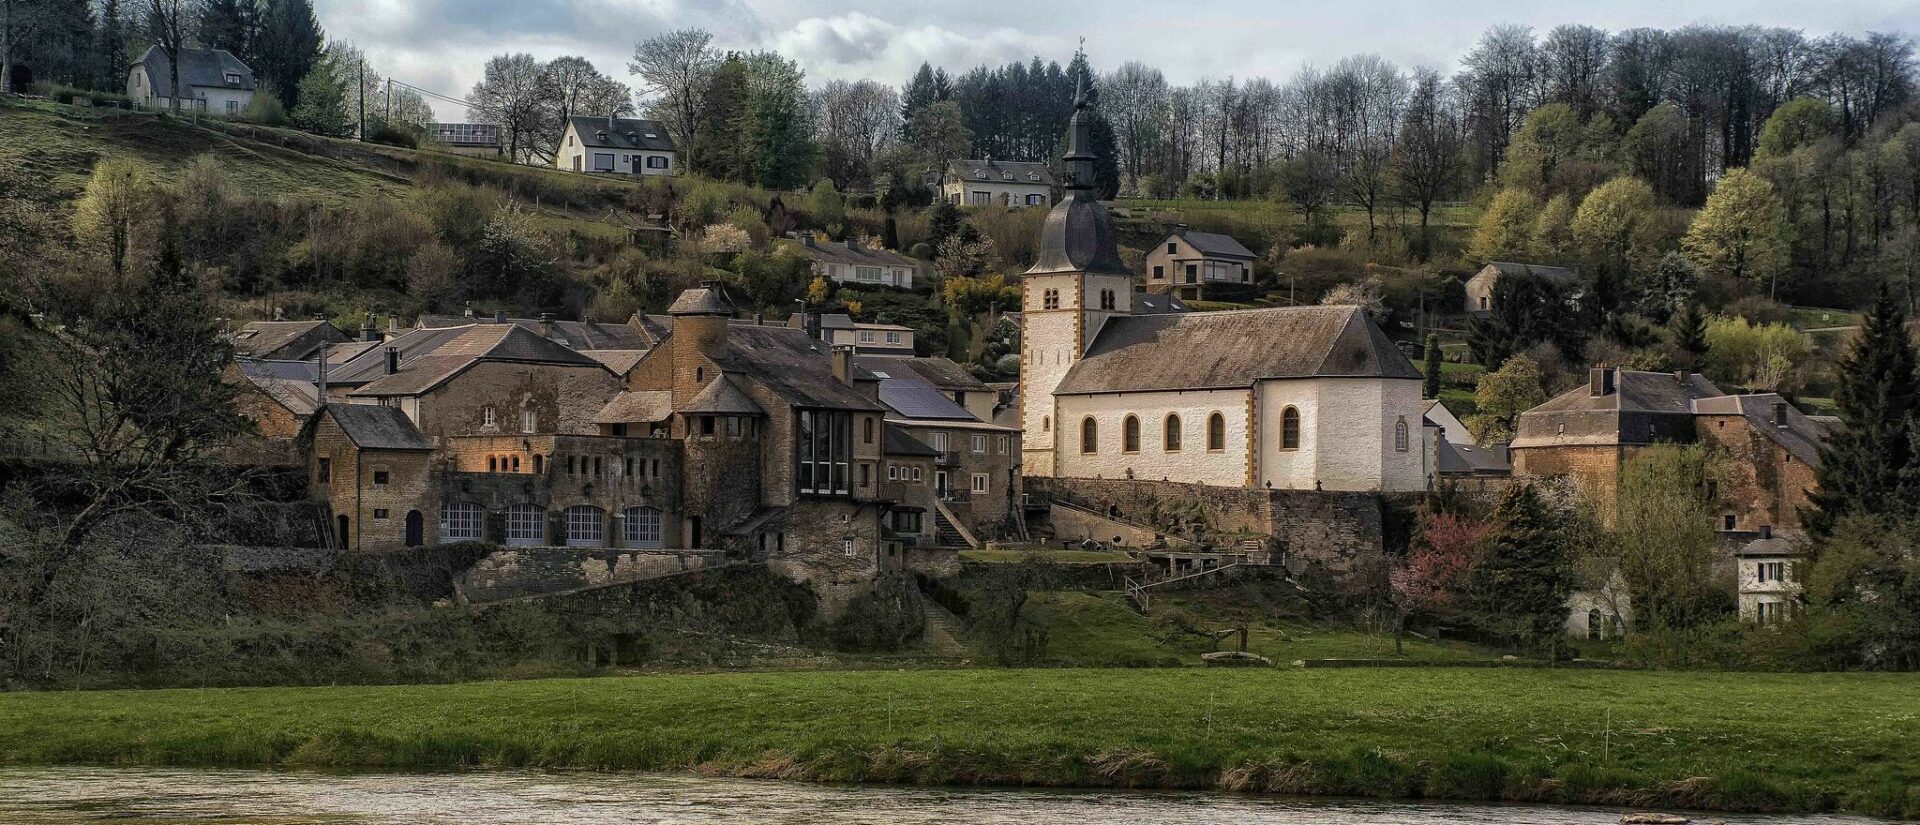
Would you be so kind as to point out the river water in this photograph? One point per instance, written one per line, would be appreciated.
(165, 796)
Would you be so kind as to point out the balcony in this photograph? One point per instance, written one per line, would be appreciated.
(895, 491)
(947, 458)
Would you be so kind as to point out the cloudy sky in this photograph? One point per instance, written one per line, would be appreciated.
(442, 44)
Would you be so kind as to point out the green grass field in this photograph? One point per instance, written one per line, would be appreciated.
(1724, 741)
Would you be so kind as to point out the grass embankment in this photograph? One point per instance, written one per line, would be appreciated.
(1722, 741)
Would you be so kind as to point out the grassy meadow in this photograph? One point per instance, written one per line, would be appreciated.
(1706, 740)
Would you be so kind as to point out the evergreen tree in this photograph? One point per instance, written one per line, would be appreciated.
(919, 94)
(291, 44)
(717, 147)
(323, 102)
(1867, 467)
(233, 25)
(110, 46)
(1520, 589)
(1431, 388)
(944, 223)
(1690, 330)
(890, 234)
(780, 134)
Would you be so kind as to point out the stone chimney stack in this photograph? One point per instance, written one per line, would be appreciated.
(843, 364)
(546, 325)
(369, 332)
(393, 360)
(469, 310)
(1779, 413)
(320, 378)
(1600, 382)
(499, 316)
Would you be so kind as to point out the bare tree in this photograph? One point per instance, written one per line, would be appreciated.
(20, 21)
(1370, 93)
(170, 25)
(854, 122)
(513, 94)
(1135, 99)
(675, 67)
(1426, 160)
(577, 88)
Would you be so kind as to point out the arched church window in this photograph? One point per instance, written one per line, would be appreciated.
(1089, 436)
(1400, 435)
(1050, 299)
(1130, 435)
(1216, 432)
(1290, 429)
(1171, 437)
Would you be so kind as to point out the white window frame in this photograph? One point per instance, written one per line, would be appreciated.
(611, 160)
(487, 417)
(893, 337)
(586, 526)
(866, 336)
(461, 521)
(940, 442)
(866, 273)
(526, 526)
(529, 420)
(979, 444)
(981, 483)
(640, 527)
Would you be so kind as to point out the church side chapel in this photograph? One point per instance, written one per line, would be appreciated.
(1290, 398)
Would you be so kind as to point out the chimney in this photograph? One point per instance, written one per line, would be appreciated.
(393, 323)
(546, 325)
(320, 378)
(807, 238)
(1680, 377)
(499, 316)
(843, 364)
(759, 319)
(1766, 531)
(279, 313)
(468, 312)
(393, 360)
(816, 325)
(369, 332)
(1779, 413)
(1600, 381)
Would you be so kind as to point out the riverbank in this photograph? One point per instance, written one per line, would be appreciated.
(1719, 741)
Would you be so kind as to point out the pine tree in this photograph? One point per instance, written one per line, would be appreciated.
(1868, 466)
(1520, 587)
(323, 102)
(1431, 388)
(1690, 330)
(717, 149)
(919, 94)
(291, 42)
(233, 25)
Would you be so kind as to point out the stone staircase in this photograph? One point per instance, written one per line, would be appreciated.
(945, 533)
(945, 634)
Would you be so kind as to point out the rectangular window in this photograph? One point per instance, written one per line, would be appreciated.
(1159, 273)
(706, 425)
(846, 546)
(824, 447)
(380, 513)
(866, 273)
(529, 421)
(979, 483)
(1726, 522)
(1172, 248)
(486, 419)
(866, 336)
(656, 162)
(980, 444)
(603, 161)
(380, 477)
(940, 442)
(1002, 444)
(980, 198)
(323, 471)
(893, 337)
(866, 471)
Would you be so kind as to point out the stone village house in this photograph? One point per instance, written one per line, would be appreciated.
(990, 182)
(1186, 263)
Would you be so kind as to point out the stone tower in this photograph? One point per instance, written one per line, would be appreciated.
(1074, 286)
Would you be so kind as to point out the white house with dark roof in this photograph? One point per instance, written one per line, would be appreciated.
(1298, 398)
(852, 262)
(211, 80)
(617, 145)
(989, 182)
(1479, 288)
(1186, 262)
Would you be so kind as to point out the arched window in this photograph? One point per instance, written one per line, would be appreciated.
(586, 526)
(460, 521)
(1216, 432)
(1290, 429)
(1089, 436)
(1400, 435)
(526, 525)
(1171, 437)
(1130, 435)
(641, 527)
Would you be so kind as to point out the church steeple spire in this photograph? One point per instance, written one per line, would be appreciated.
(1079, 156)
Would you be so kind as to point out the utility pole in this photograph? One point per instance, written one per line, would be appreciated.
(363, 99)
(389, 115)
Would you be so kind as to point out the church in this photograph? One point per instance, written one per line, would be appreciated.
(1289, 398)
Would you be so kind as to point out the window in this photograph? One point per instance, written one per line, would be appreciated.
(1483, 302)
(1002, 444)
(526, 525)
(1193, 273)
(486, 416)
(940, 442)
(1771, 571)
(1036, 200)
(866, 474)
(1130, 435)
(1400, 435)
(233, 79)
(893, 337)
(1172, 248)
(1727, 522)
(459, 521)
(233, 107)
(866, 273)
(1107, 299)
(586, 527)
(657, 162)
(642, 526)
(866, 336)
(846, 546)
(1216, 432)
(1170, 433)
(380, 513)
(1290, 429)
(1159, 273)
(603, 161)
(825, 447)
(706, 425)
(381, 477)
(1050, 299)
(1046, 423)
(979, 483)
(867, 425)
(1089, 436)
(323, 471)
(893, 472)
(979, 444)
(529, 421)
(918, 474)
(1595, 625)
(699, 375)
(1770, 612)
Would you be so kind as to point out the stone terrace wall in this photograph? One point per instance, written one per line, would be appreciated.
(1314, 529)
(532, 571)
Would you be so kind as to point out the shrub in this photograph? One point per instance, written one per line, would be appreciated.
(887, 618)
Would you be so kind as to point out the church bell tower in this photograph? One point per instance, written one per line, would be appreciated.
(1075, 285)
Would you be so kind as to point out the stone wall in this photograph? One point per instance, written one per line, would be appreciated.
(1325, 530)
(532, 571)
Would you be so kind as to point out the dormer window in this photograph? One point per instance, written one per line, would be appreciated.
(981, 174)
(1033, 176)
(1006, 176)
(233, 78)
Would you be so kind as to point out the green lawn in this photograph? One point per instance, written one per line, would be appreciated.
(1821, 318)
(1718, 740)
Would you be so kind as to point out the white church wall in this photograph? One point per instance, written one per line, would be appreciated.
(1346, 435)
(1193, 463)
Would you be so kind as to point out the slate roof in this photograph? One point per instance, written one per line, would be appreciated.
(621, 361)
(942, 373)
(1214, 244)
(1157, 303)
(626, 133)
(1078, 236)
(1621, 416)
(705, 300)
(291, 384)
(284, 340)
(636, 407)
(373, 427)
(722, 397)
(580, 335)
(471, 345)
(996, 171)
(198, 67)
(838, 253)
(1212, 350)
(792, 365)
(1469, 459)
(896, 441)
(1801, 436)
(918, 400)
(1557, 274)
